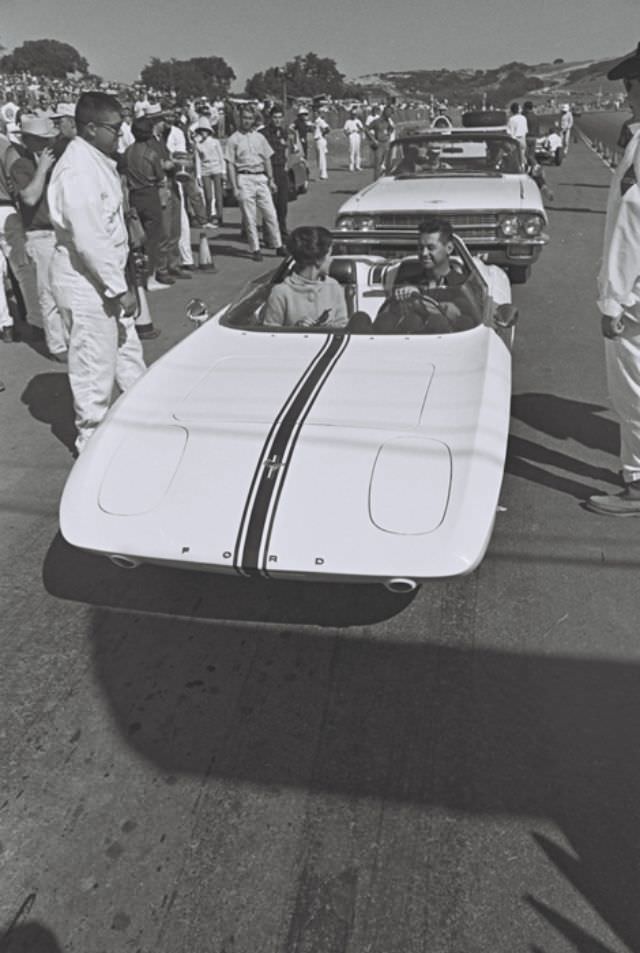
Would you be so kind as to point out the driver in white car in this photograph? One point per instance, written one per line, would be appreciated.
(308, 297)
(422, 289)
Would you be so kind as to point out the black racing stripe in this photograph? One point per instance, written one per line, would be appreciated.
(297, 410)
(264, 455)
(283, 473)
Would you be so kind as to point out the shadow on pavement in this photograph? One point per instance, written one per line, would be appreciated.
(528, 460)
(29, 938)
(71, 574)
(579, 939)
(48, 398)
(425, 718)
(480, 732)
(565, 418)
(562, 419)
(228, 251)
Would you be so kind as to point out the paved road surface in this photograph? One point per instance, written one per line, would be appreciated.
(603, 126)
(196, 765)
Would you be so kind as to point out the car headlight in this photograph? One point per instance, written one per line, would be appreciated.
(346, 223)
(365, 224)
(532, 225)
(509, 225)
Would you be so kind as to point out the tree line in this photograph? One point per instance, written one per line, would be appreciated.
(304, 76)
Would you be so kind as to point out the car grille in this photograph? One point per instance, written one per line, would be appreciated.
(478, 225)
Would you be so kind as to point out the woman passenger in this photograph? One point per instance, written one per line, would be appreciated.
(308, 297)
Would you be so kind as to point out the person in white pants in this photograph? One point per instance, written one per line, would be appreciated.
(353, 130)
(88, 267)
(176, 142)
(248, 156)
(29, 175)
(320, 133)
(619, 302)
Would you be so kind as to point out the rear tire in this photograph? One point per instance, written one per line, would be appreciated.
(519, 274)
(304, 187)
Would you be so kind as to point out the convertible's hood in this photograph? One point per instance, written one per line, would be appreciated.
(320, 454)
(449, 193)
(242, 389)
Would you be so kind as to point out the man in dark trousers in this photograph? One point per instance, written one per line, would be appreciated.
(276, 135)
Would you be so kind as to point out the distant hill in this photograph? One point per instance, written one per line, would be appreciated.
(579, 81)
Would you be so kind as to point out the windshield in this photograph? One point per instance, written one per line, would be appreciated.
(373, 297)
(426, 155)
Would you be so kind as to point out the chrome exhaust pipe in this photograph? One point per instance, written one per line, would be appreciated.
(400, 585)
(124, 562)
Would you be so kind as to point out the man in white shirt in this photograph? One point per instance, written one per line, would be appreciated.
(566, 125)
(619, 301)
(176, 143)
(517, 128)
(88, 265)
(353, 130)
(248, 156)
(320, 133)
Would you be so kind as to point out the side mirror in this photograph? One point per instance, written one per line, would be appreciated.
(506, 316)
(197, 312)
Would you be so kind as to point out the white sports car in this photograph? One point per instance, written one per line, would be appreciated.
(359, 454)
(472, 177)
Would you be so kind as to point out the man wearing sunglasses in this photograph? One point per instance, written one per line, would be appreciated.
(88, 265)
(619, 300)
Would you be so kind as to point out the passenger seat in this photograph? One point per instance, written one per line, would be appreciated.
(345, 272)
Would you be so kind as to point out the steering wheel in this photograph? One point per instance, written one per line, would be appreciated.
(428, 301)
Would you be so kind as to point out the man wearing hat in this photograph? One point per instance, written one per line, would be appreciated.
(619, 301)
(30, 175)
(301, 126)
(64, 119)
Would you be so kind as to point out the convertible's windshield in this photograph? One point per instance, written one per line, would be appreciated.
(456, 154)
(380, 297)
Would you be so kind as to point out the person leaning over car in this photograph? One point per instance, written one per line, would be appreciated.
(308, 297)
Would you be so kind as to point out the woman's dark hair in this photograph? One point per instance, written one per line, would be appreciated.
(142, 129)
(309, 244)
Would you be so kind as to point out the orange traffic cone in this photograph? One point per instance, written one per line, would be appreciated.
(205, 258)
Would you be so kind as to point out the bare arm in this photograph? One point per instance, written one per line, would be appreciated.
(33, 192)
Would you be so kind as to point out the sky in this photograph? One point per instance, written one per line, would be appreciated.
(118, 37)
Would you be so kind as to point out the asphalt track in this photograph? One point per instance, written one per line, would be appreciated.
(197, 765)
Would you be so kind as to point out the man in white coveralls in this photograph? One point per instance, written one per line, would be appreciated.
(619, 301)
(88, 265)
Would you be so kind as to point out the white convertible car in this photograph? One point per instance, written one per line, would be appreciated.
(356, 455)
(471, 177)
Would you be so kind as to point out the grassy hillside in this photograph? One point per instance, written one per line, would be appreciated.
(579, 81)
